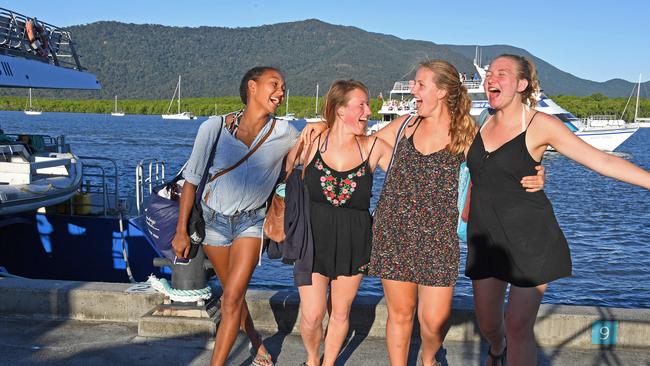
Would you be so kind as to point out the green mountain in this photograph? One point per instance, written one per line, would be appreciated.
(143, 61)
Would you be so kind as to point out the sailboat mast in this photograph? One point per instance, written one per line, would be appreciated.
(179, 94)
(287, 104)
(115, 109)
(30, 99)
(316, 108)
(638, 89)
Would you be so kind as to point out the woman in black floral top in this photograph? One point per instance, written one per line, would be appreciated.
(338, 177)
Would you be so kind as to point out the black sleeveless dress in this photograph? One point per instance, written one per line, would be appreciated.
(512, 234)
(340, 220)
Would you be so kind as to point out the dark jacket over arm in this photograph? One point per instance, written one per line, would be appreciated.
(298, 245)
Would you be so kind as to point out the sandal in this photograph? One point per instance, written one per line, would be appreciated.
(500, 358)
(262, 360)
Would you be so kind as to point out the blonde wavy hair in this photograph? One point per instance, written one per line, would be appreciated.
(526, 70)
(462, 128)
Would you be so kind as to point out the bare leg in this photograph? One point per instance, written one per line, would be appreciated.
(434, 309)
(489, 296)
(401, 298)
(523, 304)
(243, 256)
(342, 293)
(220, 263)
(313, 304)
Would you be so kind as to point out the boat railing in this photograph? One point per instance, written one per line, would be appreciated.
(603, 117)
(402, 87)
(60, 50)
(149, 173)
(100, 184)
(41, 143)
(472, 84)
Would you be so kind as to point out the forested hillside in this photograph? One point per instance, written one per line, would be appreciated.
(143, 61)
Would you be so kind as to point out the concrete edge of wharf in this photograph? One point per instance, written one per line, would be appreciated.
(278, 312)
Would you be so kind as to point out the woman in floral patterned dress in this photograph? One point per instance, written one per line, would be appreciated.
(415, 249)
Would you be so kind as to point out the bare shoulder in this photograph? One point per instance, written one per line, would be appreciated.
(389, 132)
(544, 124)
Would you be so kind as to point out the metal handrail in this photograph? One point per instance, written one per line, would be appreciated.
(96, 179)
(13, 40)
(156, 176)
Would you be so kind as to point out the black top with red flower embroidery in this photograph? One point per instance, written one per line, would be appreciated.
(351, 188)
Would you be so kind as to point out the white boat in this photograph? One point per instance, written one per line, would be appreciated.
(400, 102)
(317, 117)
(602, 132)
(643, 122)
(33, 179)
(116, 112)
(37, 170)
(288, 116)
(31, 111)
(178, 114)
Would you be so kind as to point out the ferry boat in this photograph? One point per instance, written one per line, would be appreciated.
(61, 215)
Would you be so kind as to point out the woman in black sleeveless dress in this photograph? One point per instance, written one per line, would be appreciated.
(338, 177)
(513, 236)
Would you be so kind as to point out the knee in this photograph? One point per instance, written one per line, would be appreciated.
(231, 303)
(489, 327)
(432, 325)
(312, 319)
(340, 315)
(520, 328)
(401, 315)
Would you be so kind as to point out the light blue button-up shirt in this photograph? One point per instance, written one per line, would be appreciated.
(248, 186)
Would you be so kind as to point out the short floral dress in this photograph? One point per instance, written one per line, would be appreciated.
(340, 220)
(414, 233)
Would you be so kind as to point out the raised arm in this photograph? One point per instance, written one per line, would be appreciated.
(389, 133)
(312, 130)
(552, 131)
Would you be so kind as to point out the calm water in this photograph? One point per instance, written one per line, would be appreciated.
(607, 223)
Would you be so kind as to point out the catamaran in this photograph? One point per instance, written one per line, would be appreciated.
(178, 114)
(31, 111)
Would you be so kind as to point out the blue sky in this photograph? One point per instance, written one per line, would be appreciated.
(595, 40)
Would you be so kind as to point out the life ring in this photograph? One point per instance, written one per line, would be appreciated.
(37, 37)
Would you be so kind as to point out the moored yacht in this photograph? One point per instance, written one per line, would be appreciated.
(60, 214)
(602, 132)
(178, 115)
(37, 170)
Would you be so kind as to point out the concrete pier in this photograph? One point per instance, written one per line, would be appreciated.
(45, 321)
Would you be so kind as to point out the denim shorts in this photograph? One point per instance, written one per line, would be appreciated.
(221, 230)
